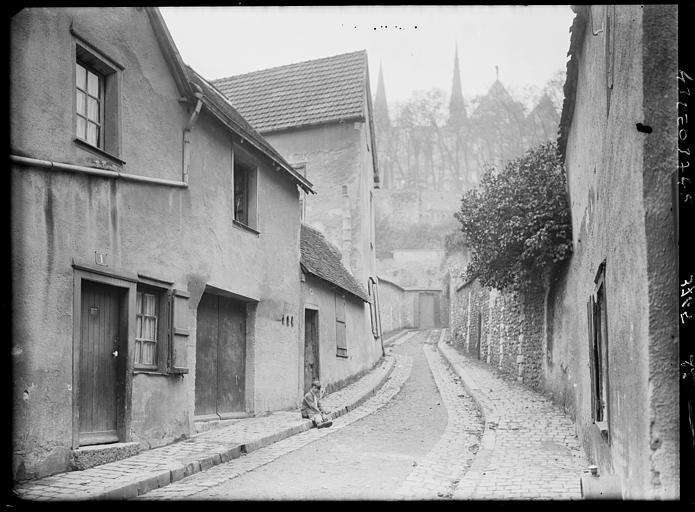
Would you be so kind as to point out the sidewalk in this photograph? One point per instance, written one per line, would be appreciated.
(529, 448)
(161, 466)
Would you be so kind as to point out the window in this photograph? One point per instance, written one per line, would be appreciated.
(340, 329)
(161, 327)
(149, 304)
(97, 102)
(245, 200)
(89, 101)
(598, 351)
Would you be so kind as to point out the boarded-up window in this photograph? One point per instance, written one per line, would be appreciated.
(340, 329)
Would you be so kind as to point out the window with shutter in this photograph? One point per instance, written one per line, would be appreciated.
(598, 351)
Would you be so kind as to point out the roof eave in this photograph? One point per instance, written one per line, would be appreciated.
(370, 116)
(308, 270)
(287, 128)
(170, 52)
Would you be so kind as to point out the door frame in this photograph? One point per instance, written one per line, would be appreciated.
(251, 304)
(124, 385)
(317, 344)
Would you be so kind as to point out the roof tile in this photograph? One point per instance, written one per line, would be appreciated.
(306, 93)
(320, 258)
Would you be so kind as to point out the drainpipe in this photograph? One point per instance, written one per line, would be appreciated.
(48, 164)
(187, 132)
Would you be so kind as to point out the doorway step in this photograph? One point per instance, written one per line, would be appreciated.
(86, 457)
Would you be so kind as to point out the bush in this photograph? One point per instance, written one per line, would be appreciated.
(517, 222)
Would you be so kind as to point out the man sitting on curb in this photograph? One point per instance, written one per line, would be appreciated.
(312, 409)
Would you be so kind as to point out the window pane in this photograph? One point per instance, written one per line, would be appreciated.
(92, 109)
(148, 353)
(80, 103)
(92, 134)
(92, 84)
(138, 302)
(138, 326)
(138, 351)
(81, 77)
(149, 304)
(81, 128)
(149, 329)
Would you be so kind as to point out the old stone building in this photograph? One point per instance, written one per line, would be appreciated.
(602, 336)
(155, 245)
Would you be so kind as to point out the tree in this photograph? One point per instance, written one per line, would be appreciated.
(517, 222)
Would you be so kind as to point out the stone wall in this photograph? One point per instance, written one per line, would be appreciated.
(504, 330)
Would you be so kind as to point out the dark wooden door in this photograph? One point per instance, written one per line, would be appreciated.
(99, 353)
(220, 356)
(231, 356)
(311, 352)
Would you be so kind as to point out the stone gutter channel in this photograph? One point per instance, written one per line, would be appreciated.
(159, 467)
(491, 418)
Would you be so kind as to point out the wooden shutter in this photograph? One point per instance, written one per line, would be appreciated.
(590, 306)
(340, 329)
(377, 309)
(179, 331)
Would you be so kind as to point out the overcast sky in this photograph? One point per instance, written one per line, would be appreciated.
(414, 44)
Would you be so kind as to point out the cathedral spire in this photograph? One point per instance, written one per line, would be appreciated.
(457, 109)
(381, 110)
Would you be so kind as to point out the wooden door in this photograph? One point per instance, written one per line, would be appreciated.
(231, 356)
(220, 356)
(99, 356)
(206, 356)
(311, 348)
(426, 311)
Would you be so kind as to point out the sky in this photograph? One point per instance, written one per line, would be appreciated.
(414, 45)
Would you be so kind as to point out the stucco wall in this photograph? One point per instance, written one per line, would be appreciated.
(184, 236)
(618, 183)
(336, 155)
(393, 314)
(363, 350)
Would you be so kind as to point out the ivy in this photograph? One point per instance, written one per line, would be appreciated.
(516, 223)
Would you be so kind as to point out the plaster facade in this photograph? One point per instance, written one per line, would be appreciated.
(363, 351)
(181, 236)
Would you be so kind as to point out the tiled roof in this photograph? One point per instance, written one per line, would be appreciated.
(302, 94)
(221, 106)
(319, 258)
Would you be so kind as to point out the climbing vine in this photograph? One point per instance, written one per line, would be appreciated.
(516, 223)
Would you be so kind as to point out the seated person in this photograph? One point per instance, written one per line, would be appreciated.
(312, 409)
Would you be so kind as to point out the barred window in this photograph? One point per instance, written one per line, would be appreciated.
(147, 315)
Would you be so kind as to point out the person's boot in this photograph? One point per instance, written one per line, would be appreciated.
(324, 424)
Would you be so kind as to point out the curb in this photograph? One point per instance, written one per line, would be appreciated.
(491, 418)
(178, 471)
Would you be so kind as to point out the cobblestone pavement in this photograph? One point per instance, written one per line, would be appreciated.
(436, 475)
(366, 454)
(158, 467)
(529, 449)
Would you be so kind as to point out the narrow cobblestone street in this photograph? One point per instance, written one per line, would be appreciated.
(395, 445)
